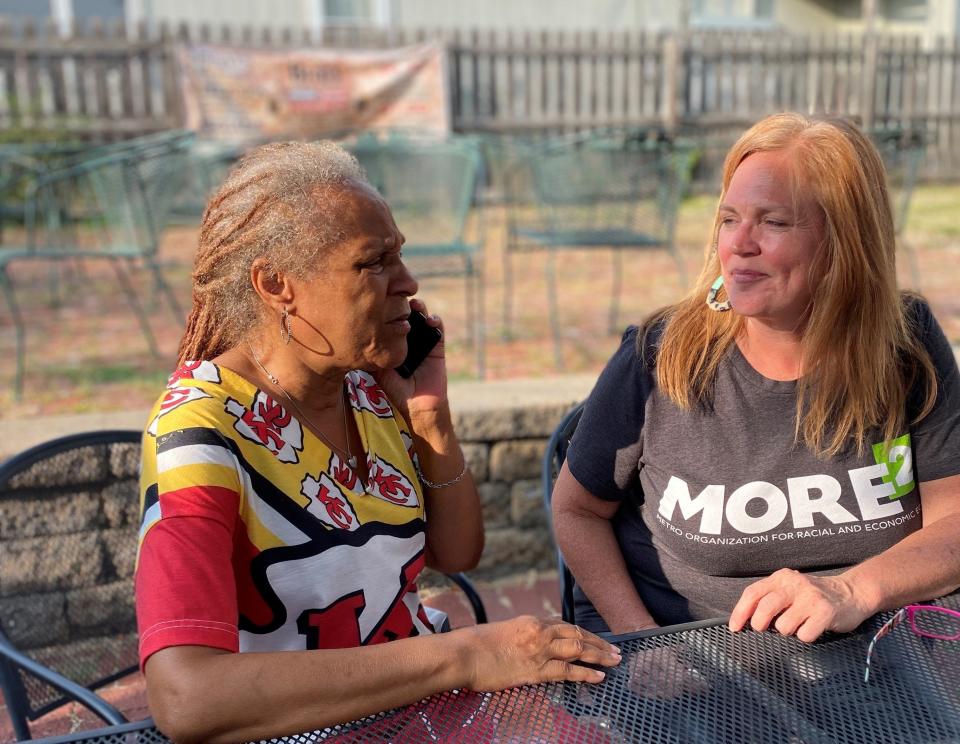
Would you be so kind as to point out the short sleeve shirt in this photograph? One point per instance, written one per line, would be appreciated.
(714, 498)
(256, 536)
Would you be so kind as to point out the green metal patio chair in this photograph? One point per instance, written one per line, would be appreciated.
(430, 187)
(49, 156)
(111, 207)
(17, 169)
(903, 152)
(207, 167)
(503, 182)
(23, 162)
(609, 191)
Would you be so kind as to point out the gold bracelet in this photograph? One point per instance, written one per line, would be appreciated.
(433, 486)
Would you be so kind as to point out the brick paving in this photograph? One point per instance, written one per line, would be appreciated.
(535, 594)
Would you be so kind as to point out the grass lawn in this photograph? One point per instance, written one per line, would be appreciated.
(86, 353)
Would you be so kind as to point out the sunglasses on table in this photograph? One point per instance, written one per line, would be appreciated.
(927, 621)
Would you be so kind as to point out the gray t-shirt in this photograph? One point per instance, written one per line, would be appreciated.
(712, 500)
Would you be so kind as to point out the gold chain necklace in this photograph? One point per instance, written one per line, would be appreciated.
(351, 460)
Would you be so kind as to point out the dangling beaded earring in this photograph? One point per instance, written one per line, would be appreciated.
(286, 333)
(712, 301)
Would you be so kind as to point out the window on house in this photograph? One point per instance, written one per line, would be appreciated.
(842, 8)
(347, 12)
(21, 10)
(107, 10)
(903, 10)
(732, 12)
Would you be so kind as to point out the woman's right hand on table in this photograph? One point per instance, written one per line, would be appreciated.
(527, 650)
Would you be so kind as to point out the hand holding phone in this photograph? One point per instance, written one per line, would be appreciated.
(420, 342)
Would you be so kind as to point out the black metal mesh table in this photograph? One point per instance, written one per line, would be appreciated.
(699, 683)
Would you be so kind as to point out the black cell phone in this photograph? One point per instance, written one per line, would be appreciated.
(420, 342)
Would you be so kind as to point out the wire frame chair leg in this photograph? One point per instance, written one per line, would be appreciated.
(681, 265)
(164, 288)
(507, 333)
(479, 315)
(6, 285)
(134, 303)
(908, 248)
(553, 308)
(54, 286)
(469, 300)
(615, 290)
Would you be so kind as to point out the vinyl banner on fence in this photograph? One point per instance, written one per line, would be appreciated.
(242, 95)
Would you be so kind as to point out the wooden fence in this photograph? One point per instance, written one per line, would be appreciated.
(114, 82)
(100, 84)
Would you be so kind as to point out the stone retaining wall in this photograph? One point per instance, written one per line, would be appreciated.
(68, 550)
(505, 449)
(68, 537)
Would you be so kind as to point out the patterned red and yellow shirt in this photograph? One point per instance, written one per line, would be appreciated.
(256, 536)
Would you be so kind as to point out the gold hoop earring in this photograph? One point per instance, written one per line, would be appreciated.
(286, 332)
(712, 302)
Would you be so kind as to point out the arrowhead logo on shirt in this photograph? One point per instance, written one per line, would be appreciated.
(328, 504)
(269, 424)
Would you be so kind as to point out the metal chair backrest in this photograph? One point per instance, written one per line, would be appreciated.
(429, 186)
(162, 169)
(68, 535)
(206, 168)
(34, 179)
(613, 191)
(609, 190)
(506, 176)
(903, 153)
(112, 205)
(139, 732)
(553, 458)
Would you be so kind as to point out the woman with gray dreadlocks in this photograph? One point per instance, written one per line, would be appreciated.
(294, 484)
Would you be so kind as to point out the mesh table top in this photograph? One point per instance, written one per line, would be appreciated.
(698, 683)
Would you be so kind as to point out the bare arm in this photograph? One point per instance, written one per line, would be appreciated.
(454, 521)
(202, 694)
(581, 523)
(923, 565)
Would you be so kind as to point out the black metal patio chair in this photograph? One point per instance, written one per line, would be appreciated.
(69, 519)
(553, 459)
(68, 534)
(139, 732)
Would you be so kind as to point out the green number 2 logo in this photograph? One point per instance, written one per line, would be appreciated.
(898, 458)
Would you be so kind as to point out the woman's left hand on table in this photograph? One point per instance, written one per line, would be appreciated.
(799, 604)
